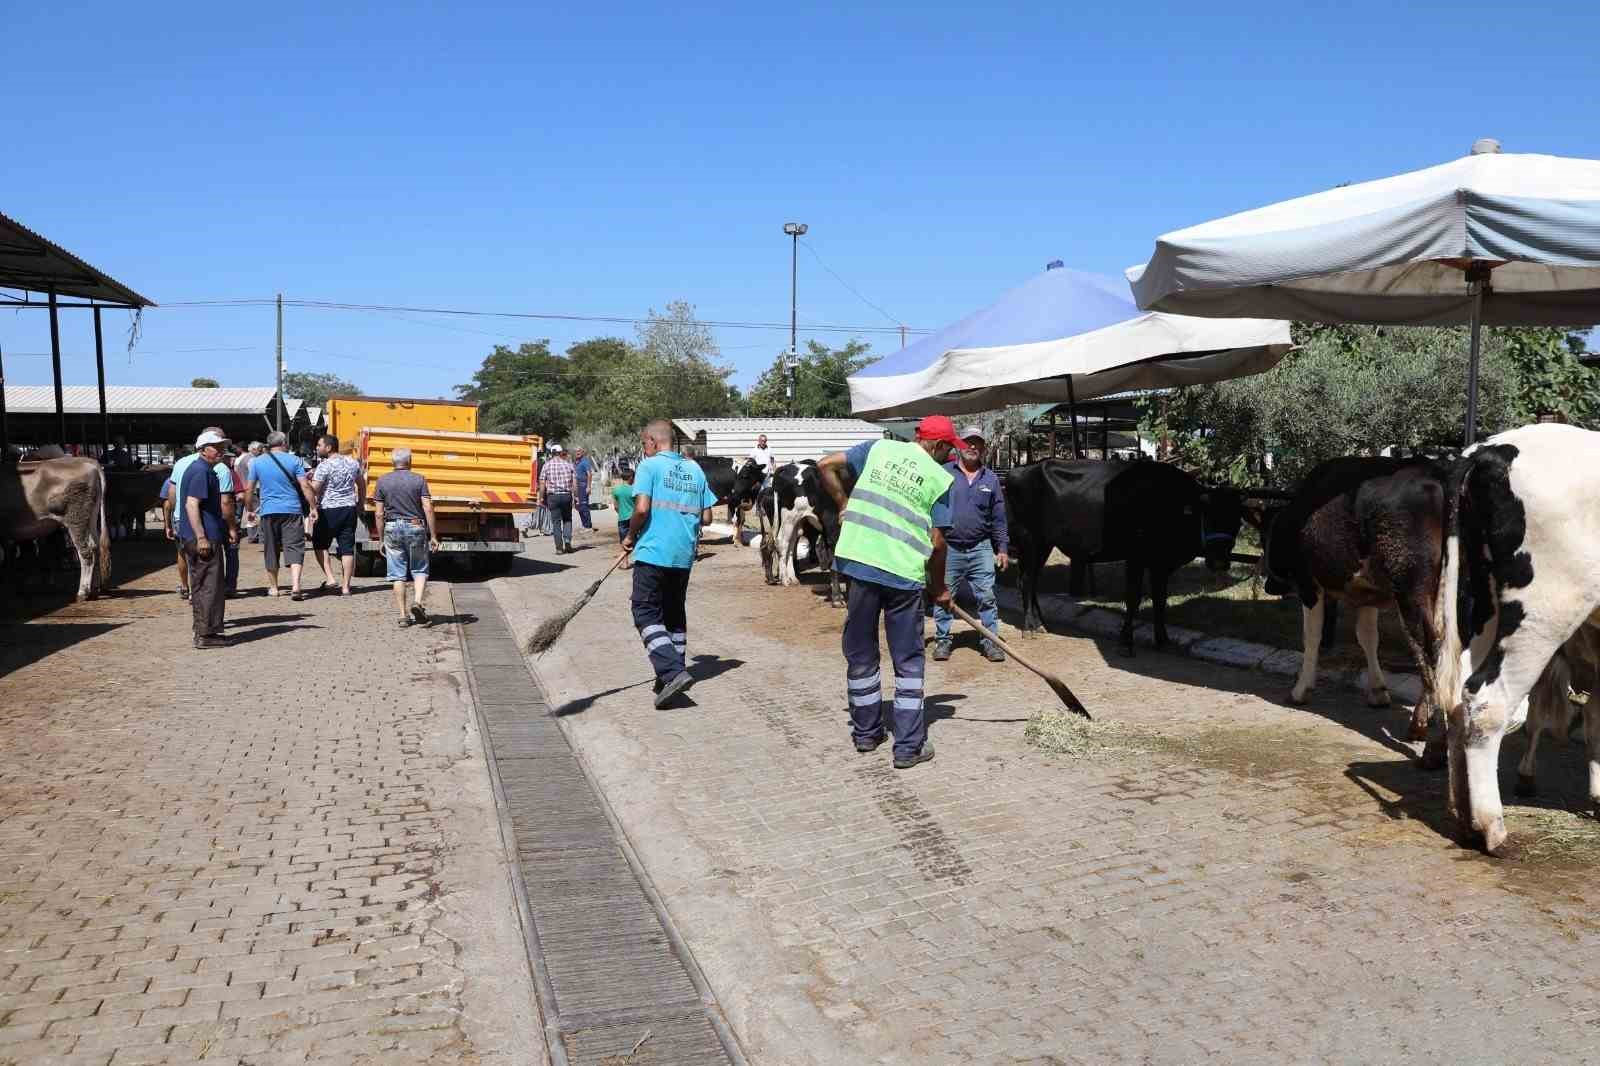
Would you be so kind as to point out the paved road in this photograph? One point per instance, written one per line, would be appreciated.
(282, 852)
(1234, 880)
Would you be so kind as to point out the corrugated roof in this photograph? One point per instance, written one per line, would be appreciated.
(142, 400)
(769, 426)
(32, 263)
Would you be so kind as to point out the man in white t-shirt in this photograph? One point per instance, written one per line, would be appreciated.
(762, 456)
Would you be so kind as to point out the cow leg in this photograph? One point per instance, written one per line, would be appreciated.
(1311, 623)
(1158, 603)
(1591, 743)
(1133, 592)
(1330, 625)
(1480, 724)
(1367, 634)
(84, 545)
(1417, 624)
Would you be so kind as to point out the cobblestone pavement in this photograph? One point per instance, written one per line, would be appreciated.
(1229, 879)
(281, 852)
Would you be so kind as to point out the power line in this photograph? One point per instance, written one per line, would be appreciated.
(617, 320)
(853, 289)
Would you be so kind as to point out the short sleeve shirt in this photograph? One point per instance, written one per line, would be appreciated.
(203, 484)
(278, 474)
(339, 473)
(678, 494)
(181, 467)
(940, 517)
(401, 493)
(762, 457)
(622, 493)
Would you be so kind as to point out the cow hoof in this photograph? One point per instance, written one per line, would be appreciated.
(1432, 755)
(1526, 785)
(1298, 698)
(1417, 733)
(1380, 698)
(1494, 837)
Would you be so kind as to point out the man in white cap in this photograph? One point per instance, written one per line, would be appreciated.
(557, 480)
(172, 508)
(978, 543)
(205, 529)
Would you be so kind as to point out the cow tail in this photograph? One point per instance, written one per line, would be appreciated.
(1453, 594)
(105, 536)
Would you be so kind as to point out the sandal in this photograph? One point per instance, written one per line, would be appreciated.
(297, 596)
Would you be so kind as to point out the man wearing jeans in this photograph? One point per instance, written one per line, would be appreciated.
(556, 481)
(978, 543)
(402, 515)
(582, 471)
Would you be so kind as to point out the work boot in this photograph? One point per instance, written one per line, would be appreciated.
(673, 686)
(993, 653)
(921, 755)
(865, 746)
(211, 642)
(941, 650)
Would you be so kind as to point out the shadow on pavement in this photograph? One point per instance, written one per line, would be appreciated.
(706, 667)
(465, 618)
(22, 645)
(264, 632)
(258, 619)
(131, 560)
(578, 706)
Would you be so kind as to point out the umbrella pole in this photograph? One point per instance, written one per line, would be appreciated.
(1477, 280)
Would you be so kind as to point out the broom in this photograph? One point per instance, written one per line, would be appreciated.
(550, 629)
(1063, 693)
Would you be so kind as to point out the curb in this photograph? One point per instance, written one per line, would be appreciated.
(1061, 609)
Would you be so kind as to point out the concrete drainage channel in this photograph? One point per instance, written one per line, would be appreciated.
(615, 982)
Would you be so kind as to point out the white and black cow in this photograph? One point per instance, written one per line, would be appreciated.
(1521, 575)
(779, 543)
(1369, 532)
(823, 515)
(1154, 516)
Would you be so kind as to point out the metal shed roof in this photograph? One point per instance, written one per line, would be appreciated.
(770, 426)
(34, 264)
(141, 400)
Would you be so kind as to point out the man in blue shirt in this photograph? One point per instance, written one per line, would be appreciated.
(582, 472)
(205, 526)
(669, 494)
(280, 491)
(172, 509)
(978, 543)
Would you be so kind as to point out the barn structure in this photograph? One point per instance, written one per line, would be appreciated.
(150, 418)
(790, 439)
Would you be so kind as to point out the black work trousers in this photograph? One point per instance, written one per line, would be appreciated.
(660, 615)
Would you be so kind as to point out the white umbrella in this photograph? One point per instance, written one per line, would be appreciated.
(1062, 336)
(1499, 238)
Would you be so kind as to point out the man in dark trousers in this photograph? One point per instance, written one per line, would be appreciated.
(669, 494)
(978, 540)
(890, 545)
(205, 528)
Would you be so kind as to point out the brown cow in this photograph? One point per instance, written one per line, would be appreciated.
(37, 498)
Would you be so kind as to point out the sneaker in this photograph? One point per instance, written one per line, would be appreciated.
(673, 686)
(183, 593)
(404, 621)
(993, 653)
(922, 754)
(865, 746)
(418, 615)
(941, 650)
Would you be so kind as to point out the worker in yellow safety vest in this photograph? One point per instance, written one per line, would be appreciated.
(891, 544)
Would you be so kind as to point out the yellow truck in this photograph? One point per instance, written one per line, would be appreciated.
(478, 480)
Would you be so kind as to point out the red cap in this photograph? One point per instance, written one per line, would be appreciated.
(938, 427)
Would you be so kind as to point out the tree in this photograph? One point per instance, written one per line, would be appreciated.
(204, 383)
(1547, 377)
(820, 388)
(315, 389)
(522, 390)
(681, 375)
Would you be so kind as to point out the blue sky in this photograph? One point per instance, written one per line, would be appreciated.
(605, 159)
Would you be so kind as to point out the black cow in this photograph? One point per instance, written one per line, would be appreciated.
(1370, 532)
(719, 473)
(1151, 515)
(747, 479)
(825, 516)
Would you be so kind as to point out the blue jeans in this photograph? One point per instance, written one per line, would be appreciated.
(559, 507)
(582, 501)
(230, 567)
(405, 548)
(975, 566)
(901, 611)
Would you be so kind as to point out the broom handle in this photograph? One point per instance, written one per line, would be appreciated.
(975, 624)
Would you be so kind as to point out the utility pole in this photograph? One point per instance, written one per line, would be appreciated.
(795, 230)
(277, 415)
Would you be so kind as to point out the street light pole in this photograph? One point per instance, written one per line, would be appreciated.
(795, 230)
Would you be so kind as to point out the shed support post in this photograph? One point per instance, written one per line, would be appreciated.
(55, 365)
(100, 371)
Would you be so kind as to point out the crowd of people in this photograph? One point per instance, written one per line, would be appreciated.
(217, 498)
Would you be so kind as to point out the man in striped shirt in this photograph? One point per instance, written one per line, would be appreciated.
(556, 480)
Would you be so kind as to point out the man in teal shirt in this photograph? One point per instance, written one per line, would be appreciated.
(669, 495)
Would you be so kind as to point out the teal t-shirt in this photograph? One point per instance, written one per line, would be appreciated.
(677, 490)
(622, 492)
(181, 467)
